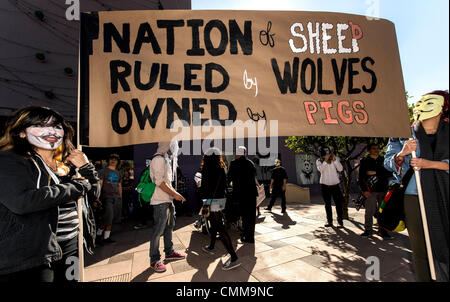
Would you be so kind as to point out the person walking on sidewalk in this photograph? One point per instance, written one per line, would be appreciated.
(213, 187)
(278, 186)
(163, 208)
(242, 174)
(373, 180)
(111, 197)
(329, 167)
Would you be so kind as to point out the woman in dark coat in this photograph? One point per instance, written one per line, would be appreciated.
(213, 186)
(38, 198)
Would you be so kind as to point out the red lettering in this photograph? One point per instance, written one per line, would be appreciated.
(310, 111)
(358, 107)
(347, 115)
(356, 31)
(326, 106)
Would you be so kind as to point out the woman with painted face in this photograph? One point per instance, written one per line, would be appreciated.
(39, 190)
(430, 133)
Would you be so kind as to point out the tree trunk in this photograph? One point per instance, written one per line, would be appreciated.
(347, 181)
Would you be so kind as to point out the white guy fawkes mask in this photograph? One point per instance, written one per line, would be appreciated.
(47, 136)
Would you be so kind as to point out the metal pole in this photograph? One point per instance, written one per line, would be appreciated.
(424, 222)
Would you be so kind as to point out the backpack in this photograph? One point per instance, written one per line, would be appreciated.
(146, 187)
(391, 215)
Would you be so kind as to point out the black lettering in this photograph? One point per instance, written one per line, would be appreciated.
(115, 117)
(339, 76)
(195, 50)
(215, 103)
(245, 40)
(289, 79)
(152, 118)
(372, 73)
(119, 76)
(220, 50)
(170, 37)
(305, 64)
(320, 79)
(197, 107)
(351, 74)
(163, 85)
(183, 113)
(146, 35)
(122, 41)
(188, 77)
(152, 76)
(208, 78)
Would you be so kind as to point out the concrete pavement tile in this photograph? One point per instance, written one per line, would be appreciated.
(274, 236)
(351, 269)
(294, 271)
(276, 244)
(404, 273)
(107, 271)
(120, 258)
(315, 260)
(264, 229)
(188, 276)
(271, 258)
(307, 236)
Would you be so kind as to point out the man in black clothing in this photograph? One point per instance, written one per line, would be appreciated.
(242, 174)
(373, 180)
(278, 186)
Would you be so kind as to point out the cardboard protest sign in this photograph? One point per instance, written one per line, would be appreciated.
(313, 73)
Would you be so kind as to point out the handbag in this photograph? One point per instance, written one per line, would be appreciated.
(391, 214)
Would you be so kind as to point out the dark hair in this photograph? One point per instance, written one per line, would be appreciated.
(445, 107)
(369, 146)
(31, 116)
(212, 161)
(116, 156)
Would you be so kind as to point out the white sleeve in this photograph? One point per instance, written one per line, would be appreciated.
(338, 165)
(158, 170)
(319, 165)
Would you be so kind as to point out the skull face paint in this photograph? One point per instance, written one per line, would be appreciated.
(47, 136)
(428, 106)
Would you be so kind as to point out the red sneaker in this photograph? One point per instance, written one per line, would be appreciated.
(158, 266)
(175, 256)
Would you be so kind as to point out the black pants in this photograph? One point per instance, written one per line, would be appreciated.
(335, 192)
(248, 214)
(275, 195)
(216, 220)
(58, 271)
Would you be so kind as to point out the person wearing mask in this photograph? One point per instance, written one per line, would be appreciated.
(111, 197)
(278, 186)
(213, 187)
(430, 142)
(163, 208)
(39, 190)
(373, 181)
(242, 175)
(329, 167)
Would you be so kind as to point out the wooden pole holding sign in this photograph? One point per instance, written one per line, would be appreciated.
(424, 221)
(80, 200)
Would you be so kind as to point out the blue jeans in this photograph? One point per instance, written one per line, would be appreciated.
(163, 224)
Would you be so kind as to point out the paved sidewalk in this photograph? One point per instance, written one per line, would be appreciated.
(291, 247)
